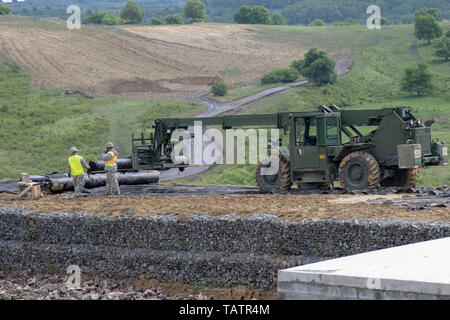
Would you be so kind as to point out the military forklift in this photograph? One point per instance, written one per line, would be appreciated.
(362, 149)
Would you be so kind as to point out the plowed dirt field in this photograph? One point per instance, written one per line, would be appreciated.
(140, 62)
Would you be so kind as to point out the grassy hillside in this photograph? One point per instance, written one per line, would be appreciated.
(380, 57)
(37, 127)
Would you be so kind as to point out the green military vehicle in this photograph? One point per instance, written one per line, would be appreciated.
(362, 149)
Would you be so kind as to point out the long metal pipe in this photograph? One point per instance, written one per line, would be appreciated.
(62, 182)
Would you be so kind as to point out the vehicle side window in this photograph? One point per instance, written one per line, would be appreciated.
(332, 130)
(310, 132)
(299, 130)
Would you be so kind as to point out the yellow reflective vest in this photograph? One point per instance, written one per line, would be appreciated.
(76, 168)
(113, 161)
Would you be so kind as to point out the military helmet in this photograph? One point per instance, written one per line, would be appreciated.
(109, 145)
(73, 150)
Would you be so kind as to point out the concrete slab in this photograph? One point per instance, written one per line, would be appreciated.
(415, 271)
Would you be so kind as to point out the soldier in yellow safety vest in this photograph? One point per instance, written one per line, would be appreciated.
(76, 167)
(110, 158)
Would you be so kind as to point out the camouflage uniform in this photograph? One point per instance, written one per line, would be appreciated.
(78, 181)
(112, 185)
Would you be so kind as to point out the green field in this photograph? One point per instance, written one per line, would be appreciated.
(37, 127)
(380, 56)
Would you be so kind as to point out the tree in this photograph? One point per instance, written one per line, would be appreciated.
(194, 11)
(252, 15)
(442, 46)
(417, 79)
(280, 75)
(95, 17)
(435, 13)
(317, 23)
(278, 20)
(384, 21)
(111, 19)
(132, 13)
(448, 34)
(173, 19)
(219, 88)
(156, 21)
(426, 28)
(4, 10)
(317, 67)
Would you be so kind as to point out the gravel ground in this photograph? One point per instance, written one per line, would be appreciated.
(288, 206)
(28, 286)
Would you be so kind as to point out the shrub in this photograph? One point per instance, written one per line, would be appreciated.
(316, 66)
(278, 20)
(351, 22)
(173, 19)
(252, 15)
(4, 10)
(156, 22)
(418, 80)
(111, 19)
(283, 75)
(219, 88)
(95, 17)
(442, 46)
(317, 23)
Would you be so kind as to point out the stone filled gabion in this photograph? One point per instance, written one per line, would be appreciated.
(223, 251)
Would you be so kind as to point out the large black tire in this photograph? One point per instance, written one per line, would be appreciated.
(404, 178)
(277, 182)
(358, 171)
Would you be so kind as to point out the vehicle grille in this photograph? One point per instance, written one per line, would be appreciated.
(423, 138)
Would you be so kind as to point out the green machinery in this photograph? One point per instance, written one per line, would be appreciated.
(362, 148)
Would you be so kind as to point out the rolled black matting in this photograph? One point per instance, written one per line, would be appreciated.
(99, 180)
(122, 164)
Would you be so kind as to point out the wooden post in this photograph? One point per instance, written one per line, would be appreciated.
(25, 177)
(25, 187)
(36, 192)
(24, 192)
